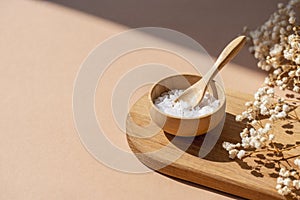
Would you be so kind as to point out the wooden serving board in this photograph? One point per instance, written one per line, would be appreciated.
(253, 177)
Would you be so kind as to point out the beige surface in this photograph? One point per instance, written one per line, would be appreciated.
(42, 46)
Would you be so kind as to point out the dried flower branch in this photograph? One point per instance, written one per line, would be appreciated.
(276, 45)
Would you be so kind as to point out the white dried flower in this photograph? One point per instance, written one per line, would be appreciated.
(280, 180)
(284, 172)
(285, 108)
(244, 133)
(284, 191)
(277, 108)
(271, 137)
(248, 104)
(281, 115)
(238, 118)
(292, 20)
(293, 173)
(227, 145)
(254, 122)
(291, 73)
(245, 114)
(297, 162)
(298, 72)
(296, 184)
(273, 118)
(241, 154)
(296, 88)
(233, 153)
(268, 126)
(270, 91)
(252, 132)
(278, 186)
(287, 182)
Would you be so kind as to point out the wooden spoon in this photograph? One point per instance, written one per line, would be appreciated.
(194, 94)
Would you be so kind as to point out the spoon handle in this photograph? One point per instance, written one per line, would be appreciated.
(226, 55)
(194, 94)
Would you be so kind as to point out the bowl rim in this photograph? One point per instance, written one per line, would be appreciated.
(186, 118)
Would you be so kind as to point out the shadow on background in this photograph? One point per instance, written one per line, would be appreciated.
(212, 23)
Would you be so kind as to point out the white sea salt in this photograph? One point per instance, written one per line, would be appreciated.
(166, 104)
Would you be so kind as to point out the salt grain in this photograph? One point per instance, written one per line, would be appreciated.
(166, 104)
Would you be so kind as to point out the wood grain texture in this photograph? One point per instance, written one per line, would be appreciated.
(252, 178)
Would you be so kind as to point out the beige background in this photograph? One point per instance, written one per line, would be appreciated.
(42, 45)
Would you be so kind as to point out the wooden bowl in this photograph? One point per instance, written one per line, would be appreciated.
(186, 126)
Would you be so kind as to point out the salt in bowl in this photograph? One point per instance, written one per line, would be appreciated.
(184, 126)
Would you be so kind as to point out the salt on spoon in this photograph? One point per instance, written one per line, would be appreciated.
(194, 94)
